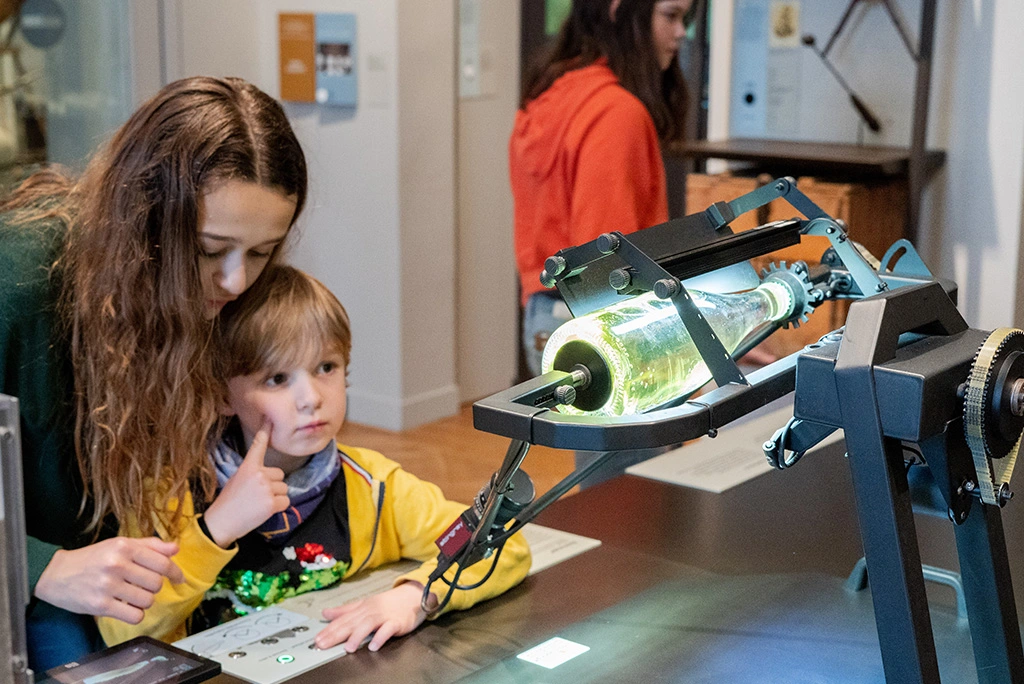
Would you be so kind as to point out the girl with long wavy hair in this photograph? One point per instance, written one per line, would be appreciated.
(110, 285)
(585, 152)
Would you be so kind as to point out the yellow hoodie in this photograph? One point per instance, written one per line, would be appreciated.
(392, 515)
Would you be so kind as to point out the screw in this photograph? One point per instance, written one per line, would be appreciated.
(1004, 494)
(830, 230)
(565, 394)
(619, 279)
(880, 287)
(780, 186)
(608, 243)
(666, 288)
(712, 433)
(554, 265)
(969, 486)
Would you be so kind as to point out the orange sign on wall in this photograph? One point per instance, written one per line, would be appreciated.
(297, 34)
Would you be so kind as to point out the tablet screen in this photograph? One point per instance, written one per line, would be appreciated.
(140, 661)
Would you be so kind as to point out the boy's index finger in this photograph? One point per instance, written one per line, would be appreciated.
(260, 441)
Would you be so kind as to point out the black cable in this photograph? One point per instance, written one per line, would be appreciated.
(447, 597)
(494, 564)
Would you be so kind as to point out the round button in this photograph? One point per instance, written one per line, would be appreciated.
(236, 654)
(285, 659)
(269, 640)
(300, 628)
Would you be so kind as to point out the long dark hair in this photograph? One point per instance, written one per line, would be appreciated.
(146, 394)
(590, 34)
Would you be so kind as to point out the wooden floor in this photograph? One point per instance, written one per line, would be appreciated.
(455, 456)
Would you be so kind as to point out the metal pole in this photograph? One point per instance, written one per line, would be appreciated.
(917, 166)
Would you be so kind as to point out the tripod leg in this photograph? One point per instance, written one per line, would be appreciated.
(991, 610)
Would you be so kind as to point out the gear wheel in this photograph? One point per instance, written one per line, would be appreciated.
(993, 410)
(796, 281)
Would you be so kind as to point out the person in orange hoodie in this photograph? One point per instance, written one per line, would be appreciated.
(585, 151)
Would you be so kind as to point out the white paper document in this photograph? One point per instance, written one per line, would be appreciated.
(731, 458)
(276, 644)
(550, 547)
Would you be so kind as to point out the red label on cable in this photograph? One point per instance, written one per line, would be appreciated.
(454, 538)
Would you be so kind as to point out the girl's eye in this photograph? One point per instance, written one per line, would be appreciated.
(260, 255)
(327, 367)
(277, 380)
(212, 255)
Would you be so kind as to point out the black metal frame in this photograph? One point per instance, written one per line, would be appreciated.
(891, 378)
(857, 385)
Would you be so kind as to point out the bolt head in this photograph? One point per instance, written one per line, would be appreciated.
(608, 243)
(619, 279)
(666, 288)
(554, 265)
(565, 394)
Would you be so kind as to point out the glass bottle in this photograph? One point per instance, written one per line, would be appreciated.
(648, 356)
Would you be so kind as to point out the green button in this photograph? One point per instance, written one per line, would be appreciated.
(285, 659)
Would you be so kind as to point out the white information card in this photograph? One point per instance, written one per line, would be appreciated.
(731, 458)
(276, 644)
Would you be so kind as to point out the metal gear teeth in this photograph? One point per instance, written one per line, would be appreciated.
(802, 277)
(979, 384)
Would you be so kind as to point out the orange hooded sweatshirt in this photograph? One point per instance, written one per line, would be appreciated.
(584, 159)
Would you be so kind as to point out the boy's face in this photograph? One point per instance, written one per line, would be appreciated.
(305, 406)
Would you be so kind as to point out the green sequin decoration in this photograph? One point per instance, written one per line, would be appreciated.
(259, 590)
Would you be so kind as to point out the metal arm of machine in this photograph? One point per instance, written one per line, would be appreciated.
(595, 274)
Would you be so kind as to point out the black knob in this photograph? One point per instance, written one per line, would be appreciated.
(608, 243)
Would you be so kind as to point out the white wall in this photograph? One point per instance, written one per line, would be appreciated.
(426, 148)
(488, 307)
(379, 226)
(971, 214)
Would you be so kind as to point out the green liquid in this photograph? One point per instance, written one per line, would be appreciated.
(649, 352)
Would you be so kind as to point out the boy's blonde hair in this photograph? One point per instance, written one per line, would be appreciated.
(287, 318)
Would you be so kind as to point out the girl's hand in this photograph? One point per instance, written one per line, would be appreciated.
(395, 612)
(115, 578)
(253, 494)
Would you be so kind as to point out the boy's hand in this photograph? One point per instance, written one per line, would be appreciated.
(253, 494)
(395, 612)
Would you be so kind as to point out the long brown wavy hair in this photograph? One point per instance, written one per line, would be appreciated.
(590, 34)
(146, 394)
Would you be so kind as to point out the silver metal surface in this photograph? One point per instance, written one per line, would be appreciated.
(13, 563)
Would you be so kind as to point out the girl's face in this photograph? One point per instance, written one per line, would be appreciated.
(240, 224)
(667, 29)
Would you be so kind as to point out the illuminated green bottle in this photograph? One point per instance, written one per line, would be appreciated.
(642, 353)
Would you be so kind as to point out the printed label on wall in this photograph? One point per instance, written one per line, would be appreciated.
(336, 60)
(297, 35)
(318, 58)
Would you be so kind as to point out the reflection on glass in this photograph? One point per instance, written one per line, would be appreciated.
(650, 354)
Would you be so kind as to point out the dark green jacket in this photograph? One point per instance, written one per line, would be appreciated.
(34, 367)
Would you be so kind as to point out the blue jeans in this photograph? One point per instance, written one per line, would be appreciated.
(56, 637)
(545, 312)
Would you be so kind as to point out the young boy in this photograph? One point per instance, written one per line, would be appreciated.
(299, 512)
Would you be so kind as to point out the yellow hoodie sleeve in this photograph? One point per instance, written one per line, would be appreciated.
(200, 560)
(420, 514)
